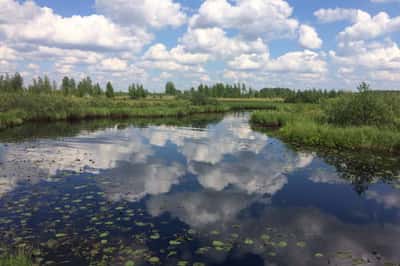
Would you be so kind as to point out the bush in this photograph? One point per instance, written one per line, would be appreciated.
(201, 99)
(366, 108)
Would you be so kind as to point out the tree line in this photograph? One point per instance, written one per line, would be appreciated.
(240, 90)
(86, 87)
(68, 87)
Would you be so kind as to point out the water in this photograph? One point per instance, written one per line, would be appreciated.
(207, 191)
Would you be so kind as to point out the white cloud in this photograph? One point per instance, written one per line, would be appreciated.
(383, 56)
(308, 37)
(270, 19)
(143, 13)
(338, 14)
(215, 41)
(298, 62)
(159, 52)
(7, 53)
(365, 26)
(33, 24)
(113, 64)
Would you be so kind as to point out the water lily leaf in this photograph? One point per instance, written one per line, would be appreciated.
(60, 235)
(174, 242)
(154, 260)
(182, 263)
(104, 235)
(318, 255)
(265, 237)
(248, 241)
(130, 263)
(199, 264)
(282, 244)
(301, 244)
(217, 243)
(171, 253)
(155, 236)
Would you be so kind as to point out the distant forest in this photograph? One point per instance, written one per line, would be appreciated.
(87, 88)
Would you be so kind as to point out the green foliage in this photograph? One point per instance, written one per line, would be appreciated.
(170, 88)
(109, 90)
(307, 124)
(201, 99)
(11, 84)
(272, 118)
(21, 258)
(137, 91)
(311, 96)
(366, 108)
(41, 85)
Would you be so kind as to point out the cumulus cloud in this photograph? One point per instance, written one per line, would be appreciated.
(159, 52)
(364, 25)
(373, 56)
(143, 13)
(253, 18)
(308, 37)
(28, 22)
(215, 41)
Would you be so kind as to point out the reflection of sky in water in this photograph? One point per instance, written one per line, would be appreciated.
(219, 177)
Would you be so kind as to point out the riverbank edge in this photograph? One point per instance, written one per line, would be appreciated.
(310, 133)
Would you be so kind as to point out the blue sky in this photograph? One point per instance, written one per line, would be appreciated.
(292, 43)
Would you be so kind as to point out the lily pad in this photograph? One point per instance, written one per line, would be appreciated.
(301, 244)
(174, 242)
(155, 236)
(318, 255)
(154, 260)
(248, 241)
(265, 237)
(130, 263)
(217, 243)
(282, 244)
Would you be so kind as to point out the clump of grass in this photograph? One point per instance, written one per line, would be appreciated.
(271, 118)
(352, 138)
(21, 258)
(311, 126)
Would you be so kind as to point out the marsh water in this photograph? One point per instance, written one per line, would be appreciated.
(198, 191)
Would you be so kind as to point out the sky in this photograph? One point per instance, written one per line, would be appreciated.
(299, 44)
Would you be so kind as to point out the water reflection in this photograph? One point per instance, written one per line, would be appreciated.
(219, 193)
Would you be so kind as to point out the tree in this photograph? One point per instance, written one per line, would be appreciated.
(65, 86)
(85, 87)
(137, 91)
(109, 90)
(97, 91)
(170, 88)
(17, 83)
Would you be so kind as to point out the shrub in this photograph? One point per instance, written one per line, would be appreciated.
(364, 108)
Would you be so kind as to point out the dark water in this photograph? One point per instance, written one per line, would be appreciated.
(200, 191)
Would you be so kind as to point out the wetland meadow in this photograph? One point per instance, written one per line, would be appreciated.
(196, 180)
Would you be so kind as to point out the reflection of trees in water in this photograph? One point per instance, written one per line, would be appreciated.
(363, 169)
(72, 128)
(360, 168)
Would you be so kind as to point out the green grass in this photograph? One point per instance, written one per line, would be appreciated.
(16, 109)
(306, 125)
(21, 258)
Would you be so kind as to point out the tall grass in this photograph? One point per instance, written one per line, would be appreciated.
(18, 108)
(308, 125)
(21, 258)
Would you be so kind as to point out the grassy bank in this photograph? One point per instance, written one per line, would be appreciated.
(16, 109)
(309, 125)
(21, 258)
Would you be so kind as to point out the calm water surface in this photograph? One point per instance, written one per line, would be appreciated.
(200, 193)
